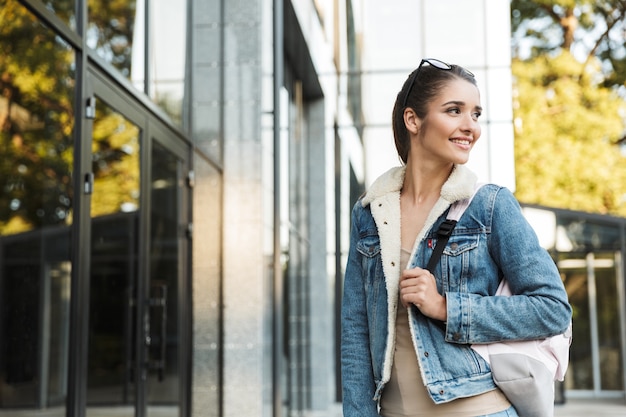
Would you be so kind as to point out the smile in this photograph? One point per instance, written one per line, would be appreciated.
(461, 141)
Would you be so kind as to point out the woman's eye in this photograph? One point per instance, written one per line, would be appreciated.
(454, 110)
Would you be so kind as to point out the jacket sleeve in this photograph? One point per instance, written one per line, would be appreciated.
(356, 365)
(539, 307)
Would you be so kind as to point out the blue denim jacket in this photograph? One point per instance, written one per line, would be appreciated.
(491, 240)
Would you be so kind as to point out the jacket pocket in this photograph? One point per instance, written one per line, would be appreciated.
(459, 244)
(458, 257)
(369, 244)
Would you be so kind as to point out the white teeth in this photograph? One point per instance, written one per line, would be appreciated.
(461, 141)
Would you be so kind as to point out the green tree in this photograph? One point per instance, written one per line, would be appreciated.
(568, 67)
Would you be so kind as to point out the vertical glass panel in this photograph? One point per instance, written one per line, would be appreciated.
(580, 372)
(168, 57)
(36, 157)
(64, 9)
(115, 30)
(163, 384)
(610, 349)
(114, 260)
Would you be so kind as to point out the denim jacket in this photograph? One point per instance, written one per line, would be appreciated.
(491, 240)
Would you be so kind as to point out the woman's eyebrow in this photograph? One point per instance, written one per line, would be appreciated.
(460, 104)
(455, 102)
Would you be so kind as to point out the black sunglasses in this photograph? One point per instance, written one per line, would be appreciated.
(432, 62)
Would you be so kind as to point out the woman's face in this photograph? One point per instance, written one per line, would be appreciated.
(450, 129)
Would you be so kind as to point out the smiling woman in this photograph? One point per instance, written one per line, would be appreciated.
(395, 310)
(417, 94)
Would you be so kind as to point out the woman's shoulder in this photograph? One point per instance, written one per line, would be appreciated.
(494, 200)
(389, 182)
(493, 191)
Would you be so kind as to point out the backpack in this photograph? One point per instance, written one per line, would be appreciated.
(524, 371)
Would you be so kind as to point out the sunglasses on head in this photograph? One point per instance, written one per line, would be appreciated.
(433, 63)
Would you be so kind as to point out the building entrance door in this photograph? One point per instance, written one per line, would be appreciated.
(137, 333)
(596, 293)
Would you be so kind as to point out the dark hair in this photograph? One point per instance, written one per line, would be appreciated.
(423, 88)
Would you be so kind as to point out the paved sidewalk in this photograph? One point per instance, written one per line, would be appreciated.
(575, 407)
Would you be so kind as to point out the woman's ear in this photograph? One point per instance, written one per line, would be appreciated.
(411, 121)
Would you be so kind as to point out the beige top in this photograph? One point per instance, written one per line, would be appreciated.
(405, 394)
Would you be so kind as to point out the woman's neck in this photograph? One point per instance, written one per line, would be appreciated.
(423, 183)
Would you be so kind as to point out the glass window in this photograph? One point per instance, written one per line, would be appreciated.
(117, 32)
(64, 9)
(114, 259)
(591, 281)
(575, 278)
(168, 58)
(578, 234)
(165, 248)
(36, 148)
(610, 344)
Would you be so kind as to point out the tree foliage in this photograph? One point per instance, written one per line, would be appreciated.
(36, 123)
(569, 110)
(37, 131)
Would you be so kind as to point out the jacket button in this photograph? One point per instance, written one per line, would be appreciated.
(426, 354)
(456, 336)
(441, 392)
(454, 246)
(393, 264)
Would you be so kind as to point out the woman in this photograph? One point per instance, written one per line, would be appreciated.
(406, 333)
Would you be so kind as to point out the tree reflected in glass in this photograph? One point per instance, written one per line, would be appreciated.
(36, 123)
(37, 83)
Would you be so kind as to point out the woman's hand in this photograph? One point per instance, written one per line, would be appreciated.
(418, 286)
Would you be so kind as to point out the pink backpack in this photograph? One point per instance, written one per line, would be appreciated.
(524, 371)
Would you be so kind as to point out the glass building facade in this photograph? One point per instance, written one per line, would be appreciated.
(94, 248)
(173, 205)
(589, 252)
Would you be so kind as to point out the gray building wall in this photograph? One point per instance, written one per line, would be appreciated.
(261, 338)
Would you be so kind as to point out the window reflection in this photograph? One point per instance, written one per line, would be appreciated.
(36, 123)
(575, 233)
(64, 9)
(114, 258)
(163, 380)
(168, 31)
(111, 32)
(36, 145)
(117, 32)
(115, 163)
(580, 372)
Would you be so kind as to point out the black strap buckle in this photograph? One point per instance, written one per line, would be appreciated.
(446, 228)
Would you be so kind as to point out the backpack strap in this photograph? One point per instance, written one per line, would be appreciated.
(443, 235)
(445, 229)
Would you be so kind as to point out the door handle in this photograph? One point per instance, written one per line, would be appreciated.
(156, 351)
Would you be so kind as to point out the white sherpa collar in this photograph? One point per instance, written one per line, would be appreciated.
(383, 197)
(459, 185)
